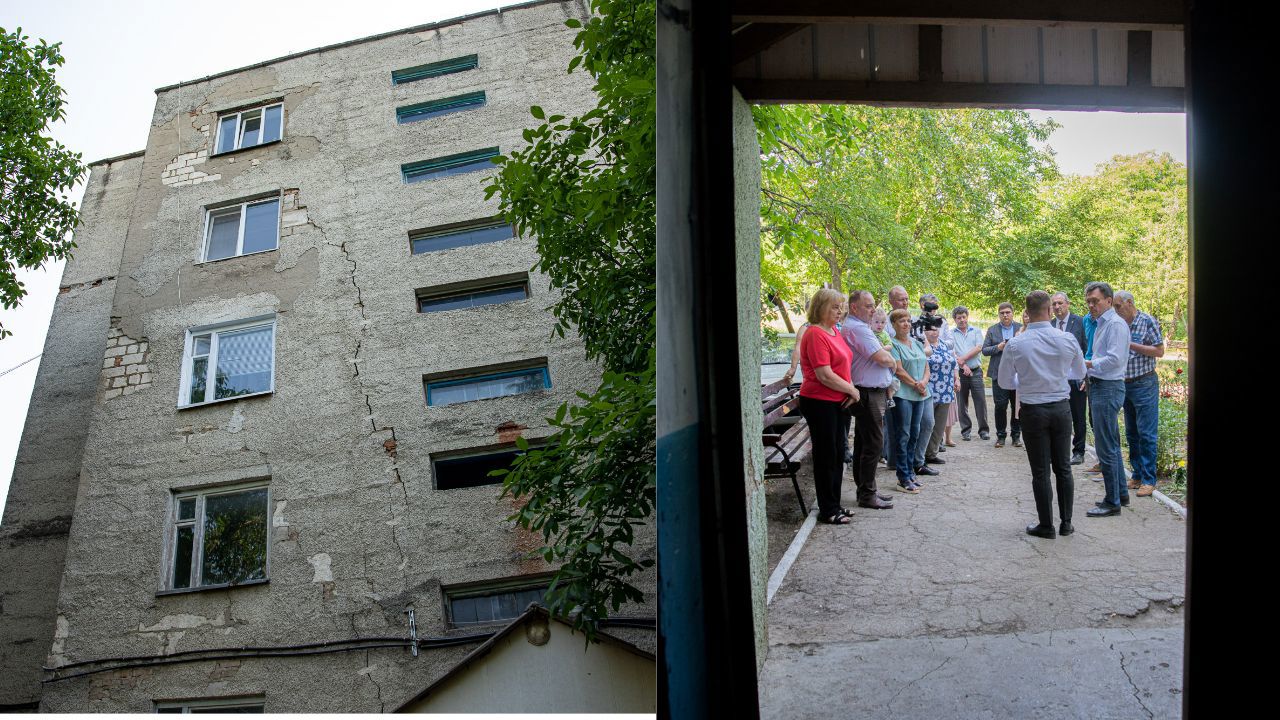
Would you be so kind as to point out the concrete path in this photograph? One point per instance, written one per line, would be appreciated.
(945, 607)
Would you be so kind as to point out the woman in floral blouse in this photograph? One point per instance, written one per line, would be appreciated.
(944, 381)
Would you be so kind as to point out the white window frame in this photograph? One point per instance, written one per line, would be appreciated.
(244, 211)
(184, 386)
(239, 116)
(211, 704)
(197, 523)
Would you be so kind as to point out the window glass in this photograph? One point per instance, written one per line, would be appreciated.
(435, 69)
(251, 123)
(449, 165)
(484, 388)
(235, 537)
(244, 362)
(224, 232)
(436, 108)
(493, 607)
(182, 557)
(271, 126)
(474, 299)
(261, 222)
(431, 241)
(227, 133)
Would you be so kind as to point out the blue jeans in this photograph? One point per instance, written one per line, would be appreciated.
(1141, 424)
(1106, 398)
(926, 429)
(904, 419)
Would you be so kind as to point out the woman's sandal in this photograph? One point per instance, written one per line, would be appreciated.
(846, 512)
(836, 519)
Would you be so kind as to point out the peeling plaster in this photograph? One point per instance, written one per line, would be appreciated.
(321, 562)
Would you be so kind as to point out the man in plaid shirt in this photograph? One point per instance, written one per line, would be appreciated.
(1141, 392)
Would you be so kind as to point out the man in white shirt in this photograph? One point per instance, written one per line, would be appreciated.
(1038, 364)
(1106, 394)
(966, 341)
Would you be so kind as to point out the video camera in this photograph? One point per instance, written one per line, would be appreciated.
(927, 319)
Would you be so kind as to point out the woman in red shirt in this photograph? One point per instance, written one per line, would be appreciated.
(826, 394)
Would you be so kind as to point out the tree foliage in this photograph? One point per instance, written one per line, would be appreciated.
(963, 203)
(876, 196)
(36, 173)
(584, 187)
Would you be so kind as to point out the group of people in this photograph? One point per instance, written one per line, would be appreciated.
(904, 388)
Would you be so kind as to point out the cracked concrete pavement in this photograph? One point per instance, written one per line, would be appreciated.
(944, 605)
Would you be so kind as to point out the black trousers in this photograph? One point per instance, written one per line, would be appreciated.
(825, 424)
(972, 385)
(1047, 438)
(868, 439)
(1079, 408)
(1005, 399)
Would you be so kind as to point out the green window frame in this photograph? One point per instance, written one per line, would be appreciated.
(435, 69)
(435, 108)
(448, 165)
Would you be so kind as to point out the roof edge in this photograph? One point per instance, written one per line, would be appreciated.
(380, 36)
(118, 158)
(533, 610)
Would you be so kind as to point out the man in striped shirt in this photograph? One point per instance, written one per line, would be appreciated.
(1141, 392)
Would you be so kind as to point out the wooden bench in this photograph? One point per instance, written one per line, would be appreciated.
(786, 436)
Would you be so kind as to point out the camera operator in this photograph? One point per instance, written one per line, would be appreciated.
(928, 318)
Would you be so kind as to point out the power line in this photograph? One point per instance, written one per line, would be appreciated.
(15, 367)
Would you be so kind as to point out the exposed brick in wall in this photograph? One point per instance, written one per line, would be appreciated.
(105, 685)
(124, 365)
(182, 170)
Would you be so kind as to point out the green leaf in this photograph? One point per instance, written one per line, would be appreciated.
(537, 112)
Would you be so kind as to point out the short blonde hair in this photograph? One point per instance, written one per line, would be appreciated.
(818, 305)
(879, 313)
(896, 315)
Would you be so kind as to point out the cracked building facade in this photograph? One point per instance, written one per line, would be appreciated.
(292, 341)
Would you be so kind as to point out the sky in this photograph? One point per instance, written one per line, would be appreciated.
(118, 53)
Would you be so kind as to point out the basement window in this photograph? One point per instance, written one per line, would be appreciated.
(250, 127)
(464, 234)
(492, 602)
(449, 165)
(484, 387)
(436, 108)
(491, 292)
(435, 69)
(242, 229)
(453, 472)
(221, 362)
(218, 538)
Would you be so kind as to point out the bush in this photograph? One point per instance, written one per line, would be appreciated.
(1171, 439)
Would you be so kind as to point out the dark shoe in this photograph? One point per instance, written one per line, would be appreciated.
(935, 460)
(846, 512)
(1044, 531)
(1103, 511)
(1124, 501)
(885, 498)
(1077, 459)
(908, 487)
(926, 470)
(1000, 443)
(943, 447)
(984, 435)
(965, 437)
(1017, 442)
(1065, 529)
(848, 456)
(836, 519)
(876, 504)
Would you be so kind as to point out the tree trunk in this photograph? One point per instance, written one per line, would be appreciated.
(782, 309)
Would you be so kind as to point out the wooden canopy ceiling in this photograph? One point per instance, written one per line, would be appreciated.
(1083, 55)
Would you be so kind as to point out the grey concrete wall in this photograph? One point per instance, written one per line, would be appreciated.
(358, 530)
(746, 190)
(42, 494)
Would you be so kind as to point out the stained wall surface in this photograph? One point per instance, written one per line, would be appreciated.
(358, 531)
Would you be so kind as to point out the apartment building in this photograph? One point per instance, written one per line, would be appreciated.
(292, 342)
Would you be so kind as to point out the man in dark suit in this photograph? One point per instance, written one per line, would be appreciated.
(1067, 321)
(993, 345)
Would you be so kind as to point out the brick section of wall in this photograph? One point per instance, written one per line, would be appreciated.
(124, 366)
(104, 685)
(182, 170)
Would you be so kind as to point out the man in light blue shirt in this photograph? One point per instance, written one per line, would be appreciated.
(1037, 364)
(967, 343)
(1106, 394)
(871, 372)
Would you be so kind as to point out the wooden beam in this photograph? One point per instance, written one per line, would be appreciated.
(758, 37)
(930, 51)
(939, 94)
(1128, 14)
(1139, 66)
